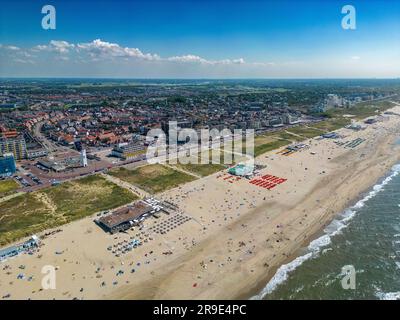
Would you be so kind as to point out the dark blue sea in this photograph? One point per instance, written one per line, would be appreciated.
(366, 237)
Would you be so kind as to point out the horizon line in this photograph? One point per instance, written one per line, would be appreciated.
(212, 79)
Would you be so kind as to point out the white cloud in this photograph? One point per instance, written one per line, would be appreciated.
(355, 58)
(58, 46)
(196, 59)
(103, 49)
(264, 64)
(107, 58)
(61, 46)
(25, 54)
(63, 58)
(39, 47)
(12, 48)
(187, 58)
(19, 60)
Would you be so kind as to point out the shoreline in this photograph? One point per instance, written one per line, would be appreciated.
(316, 230)
(238, 236)
(256, 293)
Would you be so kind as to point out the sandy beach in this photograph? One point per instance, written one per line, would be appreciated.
(237, 236)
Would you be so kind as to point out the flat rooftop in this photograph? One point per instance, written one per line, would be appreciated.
(125, 214)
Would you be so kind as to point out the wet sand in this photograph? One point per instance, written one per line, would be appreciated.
(237, 236)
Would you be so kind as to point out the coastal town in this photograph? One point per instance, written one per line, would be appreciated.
(199, 159)
(78, 193)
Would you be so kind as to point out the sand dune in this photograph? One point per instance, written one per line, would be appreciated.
(240, 233)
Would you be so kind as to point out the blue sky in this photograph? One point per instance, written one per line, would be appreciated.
(200, 39)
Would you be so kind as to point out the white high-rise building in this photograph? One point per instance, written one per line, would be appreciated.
(84, 162)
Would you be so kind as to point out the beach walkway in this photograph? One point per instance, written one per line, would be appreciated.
(14, 195)
(177, 168)
(134, 189)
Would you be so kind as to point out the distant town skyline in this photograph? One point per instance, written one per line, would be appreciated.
(200, 39)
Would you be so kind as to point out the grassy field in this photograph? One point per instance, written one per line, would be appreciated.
(262, 144)
(206, 169)
(274, 140)
(33, 212)
(152, 178)
(202, 170)
(7, 187)
(283, 135)
(362, 110)
(306, 132)
(263, 148)
(336, 118)
(331, 124)
(232, 158)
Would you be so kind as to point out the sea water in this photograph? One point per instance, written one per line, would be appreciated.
(365, 236)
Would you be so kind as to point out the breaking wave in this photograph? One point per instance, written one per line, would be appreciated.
(315, 246)
(388, 295)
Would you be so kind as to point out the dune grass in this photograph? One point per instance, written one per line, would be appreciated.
(7, 187)
(33, 212)
(152, 178)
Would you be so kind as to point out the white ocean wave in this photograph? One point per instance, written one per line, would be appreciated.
(331, 230)
(326, 250)
(388, 295)
(281, 275)
(317, 244)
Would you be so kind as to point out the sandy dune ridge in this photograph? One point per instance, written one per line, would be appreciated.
(239, 235)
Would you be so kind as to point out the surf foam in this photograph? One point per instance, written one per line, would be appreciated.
(315, 246)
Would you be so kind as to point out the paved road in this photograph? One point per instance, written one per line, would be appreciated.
(50, 146)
